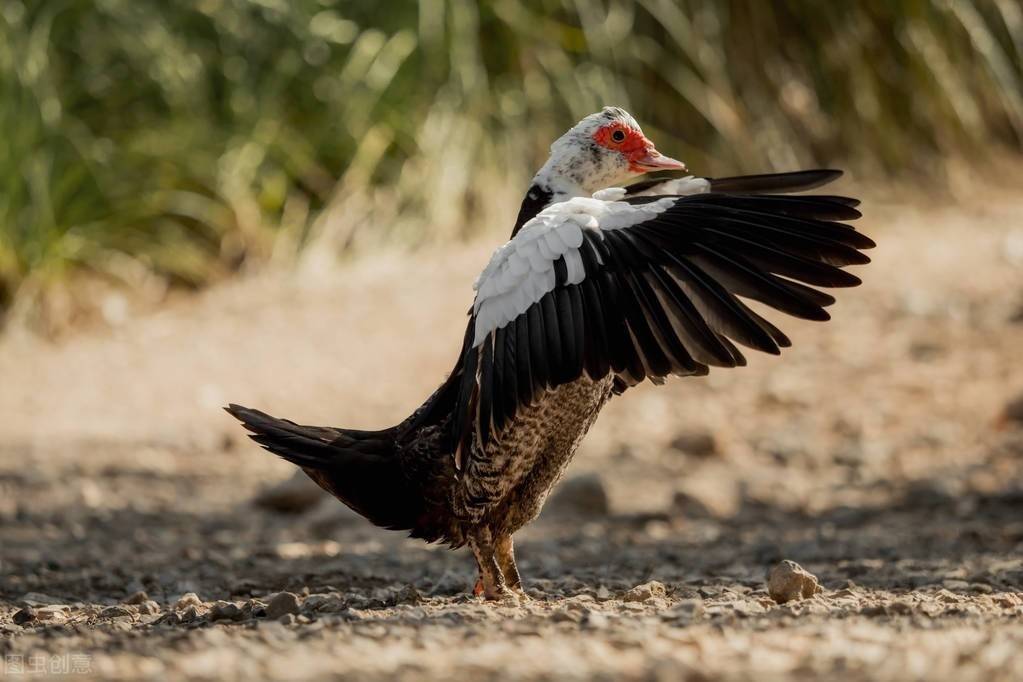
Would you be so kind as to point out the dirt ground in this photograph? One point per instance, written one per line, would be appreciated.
(876, 452)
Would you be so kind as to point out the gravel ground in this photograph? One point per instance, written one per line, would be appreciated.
(882, 453)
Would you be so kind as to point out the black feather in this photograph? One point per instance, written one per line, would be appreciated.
(497, 391)
(624, 357)
(570, 353)
(596, 357)
(486, 389)
(510, 395)
(797, 181)
(659, 320)
(578, 329)
(552, 335)
(538, 348)
(651, 352)
(524, 381)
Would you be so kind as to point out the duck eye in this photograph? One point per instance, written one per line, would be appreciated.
(618, 135)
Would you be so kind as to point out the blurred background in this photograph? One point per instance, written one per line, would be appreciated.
(283, 204)
(150, 145)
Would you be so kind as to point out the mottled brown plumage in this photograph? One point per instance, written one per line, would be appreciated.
(590, 297)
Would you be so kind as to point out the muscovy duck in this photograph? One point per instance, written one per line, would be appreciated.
(599, 288)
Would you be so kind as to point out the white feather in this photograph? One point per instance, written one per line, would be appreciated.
(521, 271)
(678, 187)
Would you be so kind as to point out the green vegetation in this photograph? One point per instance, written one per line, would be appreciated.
(181, 140)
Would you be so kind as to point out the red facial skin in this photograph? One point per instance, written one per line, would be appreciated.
(640, 152)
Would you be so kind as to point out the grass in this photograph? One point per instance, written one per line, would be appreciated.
(145, 141)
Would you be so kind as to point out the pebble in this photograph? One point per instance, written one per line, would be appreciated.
(295, 495)
(645, 592)
(281, 604)
(686, 610)
(327, 603)
(594, 619)
(789, 581)
(225, 610)
(148, 608)
(25, 615)
(583, 495)
(139, 597)
(56, 613)
(116, 612)
(188, 599)
(191, 614)
(698, 443)
(40, 599)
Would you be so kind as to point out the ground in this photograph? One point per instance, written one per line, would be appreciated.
(880, 452)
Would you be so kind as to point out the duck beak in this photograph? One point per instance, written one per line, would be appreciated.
(649, 159)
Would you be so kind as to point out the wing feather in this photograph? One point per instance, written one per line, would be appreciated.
(644, 287)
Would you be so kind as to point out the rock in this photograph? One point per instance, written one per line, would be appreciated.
(24, 616)
(566, 616)
(788, 581)
(583, 495)
(1012, 413)
(686, 611)
(594, 619)
(697, 442)
(40, 599)
(748, 608)
(688, 507)
(253, 608)
(293, 496)
(645, 592)
(287, 619)
(282, 603)
(169, 618)
(190, 615)
(329, 515)
(54, 613)
(188, 599)
(408, 595)
(148, 608)
(139, 597)
(116, 612)
(225, 610)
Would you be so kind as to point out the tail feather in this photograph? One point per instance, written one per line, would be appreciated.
(361, 468)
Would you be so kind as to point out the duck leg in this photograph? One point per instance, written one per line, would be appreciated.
(491, 581)
(505, 551)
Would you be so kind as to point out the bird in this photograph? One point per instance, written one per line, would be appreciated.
(606, 281)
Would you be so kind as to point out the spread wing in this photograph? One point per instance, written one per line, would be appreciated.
(641, 288)
(675, 184)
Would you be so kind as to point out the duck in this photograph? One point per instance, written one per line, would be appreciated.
(611, 277)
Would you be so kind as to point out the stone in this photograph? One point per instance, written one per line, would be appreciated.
(24, 616)
(696, 442)
(116, 612)
(40, 599)
(788, 581)
(56, 613)
(148, 608)
(190, 615)
(225, 610)
(686, 610)
(188, 599)
(293, 496)
(139, 597)
(583, 495)
(645, 592)
(282, 603)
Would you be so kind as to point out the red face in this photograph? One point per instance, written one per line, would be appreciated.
(631, 144)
